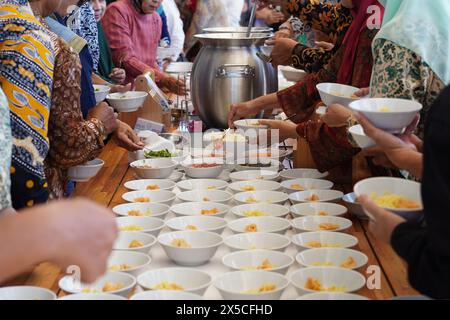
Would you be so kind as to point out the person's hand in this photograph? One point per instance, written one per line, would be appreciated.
(120, 88)
(336, 116)
(324, 45)
(285, 129)
(270, 16)
(282, 33)
(104, 113)
(282, 51)
(391, 151)
(126, 138)
(174, 85)
(383, 222)
(84, 233)
(118, 75)
(240, 111)
(362, 92)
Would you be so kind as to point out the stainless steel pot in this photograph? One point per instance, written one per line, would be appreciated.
(228, 71)
(238, 30)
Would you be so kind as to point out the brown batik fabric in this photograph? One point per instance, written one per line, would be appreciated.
(73, 140)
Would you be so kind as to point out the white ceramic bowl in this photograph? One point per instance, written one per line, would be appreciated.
(26, 293)
(150, 184)
(127, 282)
(392, 115)
(125, 238)
(309, 240)
(313, 223)
(156, 210)
(202, 184)
(157, 196)
(332, 257)
(266, 164)
(254, 175)
(203, 246)
(196, 208)
(360, 137)
(262, 224)
(218, 196)
(166, 295)
(236, 285)
(254, 185)
(296, 185)
(197, 223)
(253, 260)
(346, 280)
(192, 280)
(269, 197)
(332, 296)
(270, 210)
(353, 206)
(302, 174)
(293, 74)
(93, 296)
(148, 225)
(401, 187)
(203, 173)
(318, 209)
(324, 196)
(85, 172)
(128, 101)
(250, 124)
(337, 93)
(130, 262)
(101, 92)
(257, 240)
(158, 168)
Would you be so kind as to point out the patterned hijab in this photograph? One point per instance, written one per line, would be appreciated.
(421, 28)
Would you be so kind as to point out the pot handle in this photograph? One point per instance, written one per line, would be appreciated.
(235, 71)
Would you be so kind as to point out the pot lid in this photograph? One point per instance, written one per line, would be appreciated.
(237, 30)
(232, 39)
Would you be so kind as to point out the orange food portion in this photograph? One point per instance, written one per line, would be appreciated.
(248, 188)
(318, 244)
(251, 228)
(251, 200)
(153, 187)
(134, 213)
(297, 187)
(180, 243)
(315, 285)
(142, 199)
(191, 227)
(266, 265)
(206, 199)
(313, 197)
(328, 226)
(206, 212)
(349, 263)
(135, 244)
(322, 213)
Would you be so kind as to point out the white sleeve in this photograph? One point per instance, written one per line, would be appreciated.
(175, 26)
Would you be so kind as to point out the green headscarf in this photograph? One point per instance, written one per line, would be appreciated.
(422, 27)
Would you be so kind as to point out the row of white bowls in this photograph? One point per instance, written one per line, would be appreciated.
(233, 285)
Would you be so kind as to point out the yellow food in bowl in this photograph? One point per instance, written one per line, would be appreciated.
(265, 265)
(268, 287)
(248, 188)
(191, 227)
(318, 244)
(393, 201)
(297, 187)
(137, 213)
(252, 200)
(322, 213)
(211, 188)
(180, 243)
(349, 263)
(384, 109)
(312, 198)
(131, 227)
(315, 285)
(206, 199)
(166, 285)
(135, 244)
(206, 212)
(142, 199)
(255, 213)
(322, 264)
(153, 187)
(107, 287)
(251, 228)
(328, 226)
(120, 267)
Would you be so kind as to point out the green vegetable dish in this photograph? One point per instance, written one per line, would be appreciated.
(158, 154)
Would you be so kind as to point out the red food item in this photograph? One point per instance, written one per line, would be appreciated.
(204, 165)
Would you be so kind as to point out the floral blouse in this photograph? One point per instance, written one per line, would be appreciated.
(331, 19)
(73, 140)
(400, 73)
(5, 153)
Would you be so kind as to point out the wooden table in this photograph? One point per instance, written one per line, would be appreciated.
(107, 188)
